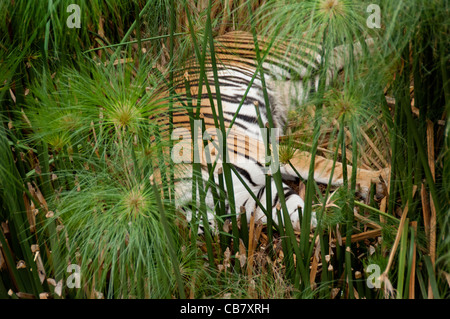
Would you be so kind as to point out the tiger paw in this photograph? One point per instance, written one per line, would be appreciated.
(366, 178)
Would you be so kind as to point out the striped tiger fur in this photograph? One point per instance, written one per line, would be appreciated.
(298, 77)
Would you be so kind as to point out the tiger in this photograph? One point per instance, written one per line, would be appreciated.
(237, 67)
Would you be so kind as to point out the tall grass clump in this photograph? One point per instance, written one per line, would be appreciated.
(97, 124)
(361, 105)
(83, 138)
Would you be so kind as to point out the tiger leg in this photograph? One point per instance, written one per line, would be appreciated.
(322, 170)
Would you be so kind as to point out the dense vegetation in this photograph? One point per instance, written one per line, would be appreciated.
(78, 152)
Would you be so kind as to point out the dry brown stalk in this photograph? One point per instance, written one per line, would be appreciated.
(432, 239)
(251, 245)
(412, 280)
(362, 236)
(384, 276)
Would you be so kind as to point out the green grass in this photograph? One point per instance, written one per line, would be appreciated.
(79, 145)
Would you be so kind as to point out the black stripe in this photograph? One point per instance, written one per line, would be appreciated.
(211, 116)
(261, 192)
(289, 194)
(244, 173)
(238, 80)
(236, 99)
(243, 117)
